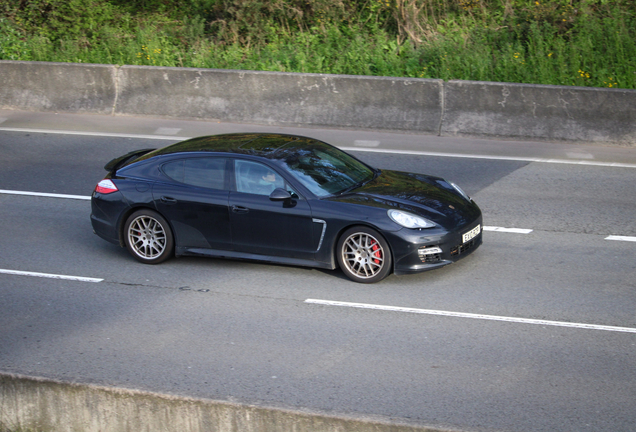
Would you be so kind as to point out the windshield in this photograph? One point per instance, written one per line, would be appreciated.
(325, 170)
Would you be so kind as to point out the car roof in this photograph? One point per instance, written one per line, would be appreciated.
(257, 144)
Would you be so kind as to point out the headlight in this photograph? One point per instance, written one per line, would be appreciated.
(461, 192)
(409, 220)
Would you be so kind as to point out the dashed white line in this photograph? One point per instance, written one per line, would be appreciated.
(508, 230)
(472, 316)
(50, 276)
(366, 143)
(43, 194)
(621, 238)
(485, 228)
(167, 131)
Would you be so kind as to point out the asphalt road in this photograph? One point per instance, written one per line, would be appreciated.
(493, 342)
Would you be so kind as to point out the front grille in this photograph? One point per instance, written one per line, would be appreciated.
(462, 249)
(430, 254)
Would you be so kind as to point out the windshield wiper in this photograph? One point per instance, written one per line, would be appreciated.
(354, 186)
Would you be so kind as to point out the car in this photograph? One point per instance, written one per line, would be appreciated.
(282, 199)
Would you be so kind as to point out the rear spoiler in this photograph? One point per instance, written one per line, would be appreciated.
(121, 160)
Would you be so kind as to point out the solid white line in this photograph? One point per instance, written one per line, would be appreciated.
(360, 149)
(472, 316)
(504, 158)
(50, 276)
(508, 230)
(98, 134)
(43, 194)
(621, 238)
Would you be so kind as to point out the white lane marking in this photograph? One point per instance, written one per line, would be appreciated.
(406, 152)
(98, 134)
(472, 316)
(621, 238)
(364, 143)
(50, 276)
(508, 230)
(485, 228)
(504, 158)
(579, 155)
(167, 131)
(43, 194)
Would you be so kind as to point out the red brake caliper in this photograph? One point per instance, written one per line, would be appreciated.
(377, 252)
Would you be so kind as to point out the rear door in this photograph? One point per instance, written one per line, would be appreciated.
(195, 201)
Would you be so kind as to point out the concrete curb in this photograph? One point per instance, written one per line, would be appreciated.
(429, 106)
(44, 405)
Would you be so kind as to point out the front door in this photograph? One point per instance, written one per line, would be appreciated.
(265, 227)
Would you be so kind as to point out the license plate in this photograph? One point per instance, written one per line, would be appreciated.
(471, 234)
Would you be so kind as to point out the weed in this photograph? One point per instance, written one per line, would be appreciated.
(524, 41)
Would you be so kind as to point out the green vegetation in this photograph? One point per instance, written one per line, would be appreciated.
(566, 42)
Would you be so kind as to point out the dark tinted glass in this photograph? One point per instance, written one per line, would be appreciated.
(201, 172)
(174, 170)
(256, 178)
(324, 169)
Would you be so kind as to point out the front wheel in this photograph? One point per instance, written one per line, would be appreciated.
(148, 237)
(363, 254)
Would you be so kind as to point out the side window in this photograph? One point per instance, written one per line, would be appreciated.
(256, 178)
(207, 172)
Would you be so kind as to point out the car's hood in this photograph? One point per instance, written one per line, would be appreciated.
(431, 197)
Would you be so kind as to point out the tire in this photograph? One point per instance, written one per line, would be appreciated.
(148, 237)
(363, 255)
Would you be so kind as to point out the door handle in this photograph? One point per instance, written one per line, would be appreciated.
(168, 200)
(240, 209)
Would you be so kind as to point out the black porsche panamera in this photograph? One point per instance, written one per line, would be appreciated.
(284, 199)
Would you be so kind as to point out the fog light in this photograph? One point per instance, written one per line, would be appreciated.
(430, 250)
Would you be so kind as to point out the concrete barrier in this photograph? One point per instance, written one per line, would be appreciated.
(65, 87)
(282, 98)
(540, 111)
(32, 404)
(402, 104)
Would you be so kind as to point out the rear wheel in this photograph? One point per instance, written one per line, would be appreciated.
(363, 254)
(148, 237)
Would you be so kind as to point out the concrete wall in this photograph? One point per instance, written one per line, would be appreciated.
(281, 98)
(68, 87)
(30, 404)
(540, 111)
(401, 104)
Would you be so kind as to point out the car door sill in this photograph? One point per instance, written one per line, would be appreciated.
(252, 257)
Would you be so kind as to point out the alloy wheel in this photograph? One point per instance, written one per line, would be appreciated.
(147, 237)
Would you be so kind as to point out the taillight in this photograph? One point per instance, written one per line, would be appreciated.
(105, 187)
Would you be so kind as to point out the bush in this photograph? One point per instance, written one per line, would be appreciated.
(570, 42)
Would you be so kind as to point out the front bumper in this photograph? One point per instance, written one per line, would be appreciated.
(407, 244)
